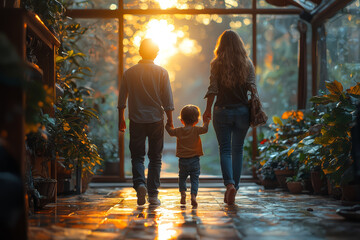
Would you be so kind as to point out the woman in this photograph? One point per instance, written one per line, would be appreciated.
(232, 76)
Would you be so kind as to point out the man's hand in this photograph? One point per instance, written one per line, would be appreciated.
(122, 125)
(169, 121)
(207, 116)
(170, 124)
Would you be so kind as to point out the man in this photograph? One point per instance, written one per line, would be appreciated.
(149, 91)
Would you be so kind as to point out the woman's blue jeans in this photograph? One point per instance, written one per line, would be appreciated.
(231, 126)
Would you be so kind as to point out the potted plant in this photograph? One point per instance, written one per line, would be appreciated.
(284, 169)
(267, 175)
(294, 184)
(41, 151)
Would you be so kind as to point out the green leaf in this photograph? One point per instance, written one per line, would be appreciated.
(320, 100)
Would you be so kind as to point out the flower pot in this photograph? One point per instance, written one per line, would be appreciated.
(281, 176)
(295, 187)
(85, 180)
(46, 188)
(318, 184)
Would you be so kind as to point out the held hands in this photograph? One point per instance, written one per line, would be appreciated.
(207, 116)
(122, 125)
(169, 124)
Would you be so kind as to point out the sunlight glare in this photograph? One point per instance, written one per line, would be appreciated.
(113, 7)
(166, 231)
(164, 4)
(189, 47)
(163, 34)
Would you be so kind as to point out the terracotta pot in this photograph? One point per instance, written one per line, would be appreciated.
(281, 176)
(318, 183)
(85, 180)
(295, 187)
(46, 188)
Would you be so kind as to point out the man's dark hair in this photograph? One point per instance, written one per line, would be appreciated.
(190, 114)
(148, 49)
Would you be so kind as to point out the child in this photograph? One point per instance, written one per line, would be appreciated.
(189, 149)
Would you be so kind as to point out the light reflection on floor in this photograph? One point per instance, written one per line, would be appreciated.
(109, 213)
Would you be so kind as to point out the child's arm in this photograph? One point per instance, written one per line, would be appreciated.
(171, 130)
(204, 128)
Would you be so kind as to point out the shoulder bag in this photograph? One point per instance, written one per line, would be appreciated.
(257, 115)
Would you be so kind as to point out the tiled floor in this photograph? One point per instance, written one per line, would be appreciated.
(110, 213)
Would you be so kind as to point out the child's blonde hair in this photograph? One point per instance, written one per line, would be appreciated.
(190, 114)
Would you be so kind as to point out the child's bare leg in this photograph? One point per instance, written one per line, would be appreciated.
(183, 197)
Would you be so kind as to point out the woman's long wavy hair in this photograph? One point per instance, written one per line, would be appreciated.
(231, 61)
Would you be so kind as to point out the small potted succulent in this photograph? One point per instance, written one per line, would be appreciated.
(294, 184)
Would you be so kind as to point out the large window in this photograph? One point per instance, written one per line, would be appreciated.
(186, 31)
(186, 49)
(277, 57)
(343, 46)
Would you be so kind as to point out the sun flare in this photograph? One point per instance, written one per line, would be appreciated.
(173, 42)
(162, 32)
(164, 4)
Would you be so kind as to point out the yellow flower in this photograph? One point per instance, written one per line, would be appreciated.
(277, 120)
(40, 104)
(66, 127)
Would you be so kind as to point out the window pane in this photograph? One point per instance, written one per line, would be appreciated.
(94, 4)
(186, 49)
(342, 44)
(100, 44)
(186, 4)
(277, 55)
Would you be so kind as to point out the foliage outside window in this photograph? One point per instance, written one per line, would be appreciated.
(343, 46)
